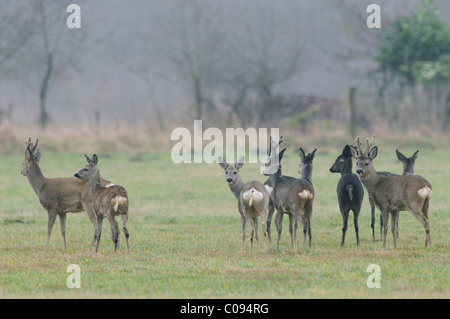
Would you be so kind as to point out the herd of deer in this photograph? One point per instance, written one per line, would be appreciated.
(390, 193)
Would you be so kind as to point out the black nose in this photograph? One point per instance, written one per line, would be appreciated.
(76, 175)
(229, 180)
(359, 171)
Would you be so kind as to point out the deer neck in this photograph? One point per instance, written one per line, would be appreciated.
(274, 178)
(94, 183)
(347, 167)
(307, 173)
(36, 178)
(237, 187)
(370, 180)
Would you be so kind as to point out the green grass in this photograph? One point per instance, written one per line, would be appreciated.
(185, 237)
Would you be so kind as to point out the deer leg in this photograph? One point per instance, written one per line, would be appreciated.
(62, 223)
(385, 226)
(98, 232)
(255, 225)
(372, 223)
(344, 226)
(291, 229)
(418, 213)
(252, 233)
(125, 229)
(279, 224)
(308, 214)
(114, 231)
(269, 221)
(381, 227)
(51, 222)
(243, 222)
(263, 227)
(355, 222)
(92, 217)
(394, 219)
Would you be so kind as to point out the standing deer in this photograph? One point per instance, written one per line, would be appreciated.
(253, 199)
(292, 196)
(392, 194)
(57, 196)
(108, 202)
(349, 190)
(408, 169)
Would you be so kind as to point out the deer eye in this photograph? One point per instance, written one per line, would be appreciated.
(366, 164)
(234, 173)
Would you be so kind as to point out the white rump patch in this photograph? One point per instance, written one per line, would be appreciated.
(306, 194)
(425, 192)
(252, 195)
(269, 189)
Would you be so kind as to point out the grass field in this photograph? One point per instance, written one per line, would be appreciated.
(185, 236)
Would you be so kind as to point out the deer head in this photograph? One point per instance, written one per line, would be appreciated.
(90, 170)
(32, 156)
(364, 159)
(305, 166)
(231, 171)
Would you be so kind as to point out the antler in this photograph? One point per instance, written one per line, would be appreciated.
(274, 145)
(368, 145)
(30, 146)
(358, 146)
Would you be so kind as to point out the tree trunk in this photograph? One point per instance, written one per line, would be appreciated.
(352, 111)
(44, 118)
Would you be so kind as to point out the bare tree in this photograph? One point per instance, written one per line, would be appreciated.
(52, 51)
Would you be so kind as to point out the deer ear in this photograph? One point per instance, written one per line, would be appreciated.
(347, 152)
(240, 162)
(95, 159)
(312, 154)
(354, 151)
(88, 160)
(373, 152)
(280, 156)
(400, 156)
(37, 155)
(27, 154)
(302, 154)
(222, 162)
(416, 154)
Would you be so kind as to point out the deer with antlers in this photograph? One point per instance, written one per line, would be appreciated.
(292, 196)
(57, 196)
(392, 194)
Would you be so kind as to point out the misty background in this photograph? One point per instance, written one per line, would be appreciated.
(128, 62)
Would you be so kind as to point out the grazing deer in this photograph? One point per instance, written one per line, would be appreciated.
(253, 199)
(57, 196)
(108, 202)
(292, 196)
(349, 190)
(392, 194)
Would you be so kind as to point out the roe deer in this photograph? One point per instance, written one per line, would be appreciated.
(253, 199)
(349, 190)
(292, 196)
(57, 196)
(108, 202)
(392, 194)
(408, 169)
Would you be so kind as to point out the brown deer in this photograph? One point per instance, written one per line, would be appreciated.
(108, 202)
(408, 169)
(253, 199)
(57, 196)
(392, 194)
(293, 196)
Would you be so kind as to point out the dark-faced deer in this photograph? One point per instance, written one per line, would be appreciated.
(349, 190)
(57, 196)
(253, 199)
(108, 202)
(293, 196)
(392, 194)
